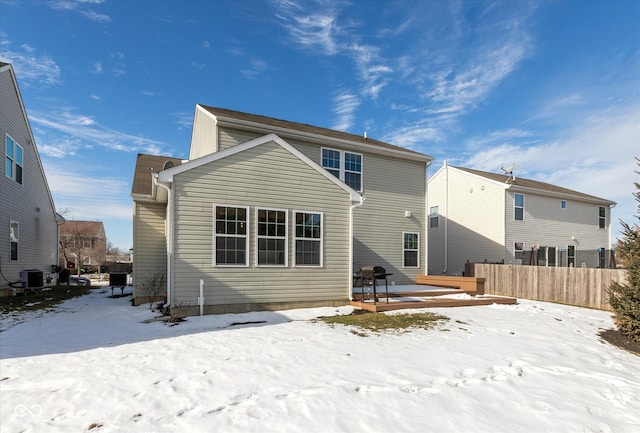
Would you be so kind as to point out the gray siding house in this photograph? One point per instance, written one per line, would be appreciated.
(479, 216)
(271, 214)
(28, 219)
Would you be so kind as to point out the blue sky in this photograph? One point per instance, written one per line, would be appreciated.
(553, 87)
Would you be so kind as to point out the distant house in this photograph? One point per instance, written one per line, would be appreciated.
(83, 244)
(272, 214)
(28, 219)
(479, 216)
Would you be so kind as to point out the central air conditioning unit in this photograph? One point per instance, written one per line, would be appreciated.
(32, 279)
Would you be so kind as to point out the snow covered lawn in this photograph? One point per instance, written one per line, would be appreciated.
(533, 367)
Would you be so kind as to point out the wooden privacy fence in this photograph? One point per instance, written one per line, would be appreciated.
(585, 287)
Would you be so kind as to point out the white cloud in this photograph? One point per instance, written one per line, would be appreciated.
(312, 29)
(80, 6)
(594, 155)
(30, 66)
(346, 103)
(80, 131)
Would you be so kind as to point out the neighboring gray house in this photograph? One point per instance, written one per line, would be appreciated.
(272, 214)
(478, 216)
(28, 219)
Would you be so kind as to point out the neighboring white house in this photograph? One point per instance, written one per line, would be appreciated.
(478, 216)
(272, 214)
(28, 219)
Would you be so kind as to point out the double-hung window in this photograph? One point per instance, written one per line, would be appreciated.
(308, 239)
(13, 240)
(231, 233)
(410, 250)
(571, 256)
(602, 217)
(434, 217)
(13, 162)
(346, 166)
(518, 207)
(271, 237)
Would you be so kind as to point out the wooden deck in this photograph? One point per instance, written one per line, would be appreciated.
(455, 292)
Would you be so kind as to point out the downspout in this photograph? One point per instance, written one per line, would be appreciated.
(426, 218)
(169, 234)
(356, 205)
(446, 219)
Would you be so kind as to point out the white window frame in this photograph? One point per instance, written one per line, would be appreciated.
(342, 170)
(245, 236)
(602, 220)
(520, 251)
(563, 204)
(569, 256)
(13, 159)
(285, 238)
(515, 206)
(434, 215)
(417, 250)
(14, 237)
(296, 239)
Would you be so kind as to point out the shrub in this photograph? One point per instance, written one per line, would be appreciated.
(625, 298)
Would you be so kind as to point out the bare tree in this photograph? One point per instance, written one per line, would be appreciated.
(79, 243)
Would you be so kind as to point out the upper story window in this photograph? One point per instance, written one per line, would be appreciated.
(230, 235)
(308, 239)
(434, 217)
(518, 207)
(563, 204)
(346, 166)
(602, 217)
(271, 237)
(13, 240)
(13, 162)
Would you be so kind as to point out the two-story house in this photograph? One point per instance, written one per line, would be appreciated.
(28, 218)
(272, 214)
(83, 244)
(479, 216)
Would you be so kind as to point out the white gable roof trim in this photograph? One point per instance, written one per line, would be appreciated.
(166, 176)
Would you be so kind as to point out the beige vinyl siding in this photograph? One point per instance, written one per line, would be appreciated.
(391, 186)
(476, 224)
(38, 231)
(203, 139)
(474, 213)
(228, 137)
(436, 236)
(150, 253)
(546, 224)
(263, 176)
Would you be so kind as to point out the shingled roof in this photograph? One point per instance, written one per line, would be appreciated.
(534, 184)
(86, 228)
(146, 165)
(284, 125)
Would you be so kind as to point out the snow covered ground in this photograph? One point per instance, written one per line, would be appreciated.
(533, 367)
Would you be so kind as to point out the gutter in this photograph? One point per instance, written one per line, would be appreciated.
(446, 220)
(169, 234)
(354, 206)
(426, 213)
